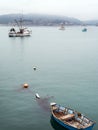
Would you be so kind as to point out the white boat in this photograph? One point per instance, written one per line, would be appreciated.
(21, 32)
(62, 27)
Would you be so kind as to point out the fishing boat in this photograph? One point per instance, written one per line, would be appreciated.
(21, 32)
(70, 118)
(84, 30)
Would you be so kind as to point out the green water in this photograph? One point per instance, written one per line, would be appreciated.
(67, 69)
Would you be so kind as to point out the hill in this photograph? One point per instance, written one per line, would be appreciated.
(39, 19)
(91, 22)
(44, 20)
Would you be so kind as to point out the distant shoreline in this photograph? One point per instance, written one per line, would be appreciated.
(44, 20)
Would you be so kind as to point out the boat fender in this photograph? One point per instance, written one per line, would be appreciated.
(37, 96)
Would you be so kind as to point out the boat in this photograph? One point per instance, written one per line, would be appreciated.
(84, 30)
(55, 125)
(62, 27)
(70, 119)
(21, 32)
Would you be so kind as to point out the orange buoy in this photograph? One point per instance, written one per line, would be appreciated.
(25, 85)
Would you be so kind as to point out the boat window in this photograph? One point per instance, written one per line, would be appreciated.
(70, 111)
(62, 108)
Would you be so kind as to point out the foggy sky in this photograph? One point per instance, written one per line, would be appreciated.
(81, 9)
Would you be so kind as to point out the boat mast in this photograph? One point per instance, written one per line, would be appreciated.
(20, 22)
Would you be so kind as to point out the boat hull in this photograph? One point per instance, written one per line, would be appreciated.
(18, 35)
(70, 127)
(63, 124)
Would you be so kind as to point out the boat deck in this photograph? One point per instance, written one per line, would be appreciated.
(70, 120)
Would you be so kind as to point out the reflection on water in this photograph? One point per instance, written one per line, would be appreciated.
(55, 125)
(24, 89)
(44, 103)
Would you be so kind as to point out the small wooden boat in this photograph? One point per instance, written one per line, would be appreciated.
(70, 118)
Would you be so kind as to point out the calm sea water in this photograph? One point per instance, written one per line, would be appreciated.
(67, 73)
